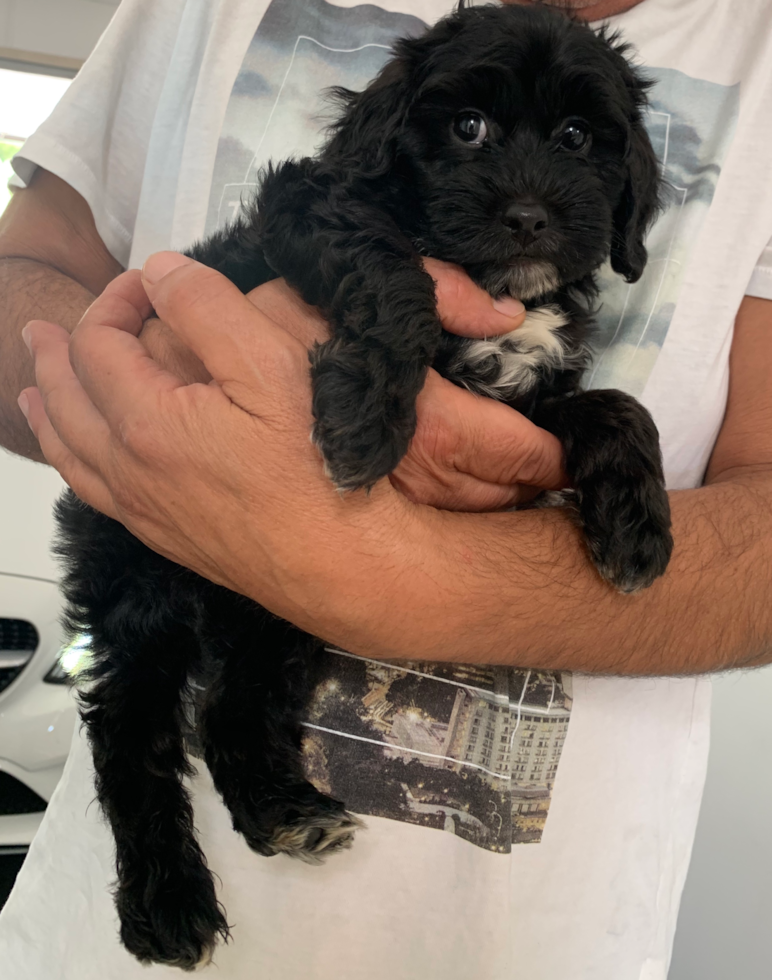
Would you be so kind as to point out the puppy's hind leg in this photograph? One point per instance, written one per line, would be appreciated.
(165, 894)
(252, 739)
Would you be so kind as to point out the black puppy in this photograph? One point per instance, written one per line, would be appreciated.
(508, 140)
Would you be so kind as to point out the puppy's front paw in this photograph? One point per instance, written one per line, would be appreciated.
(364, 411)
(356, 457)
(627, 529)
(614, 464)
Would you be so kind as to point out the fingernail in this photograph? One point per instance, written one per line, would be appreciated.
(508, 306)
(27, 338)
(161, 264)
(23, 403)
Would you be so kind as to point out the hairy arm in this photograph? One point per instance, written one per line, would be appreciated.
(52, 265)
(222, 478)
(517, 588)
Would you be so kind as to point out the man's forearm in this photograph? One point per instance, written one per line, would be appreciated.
(52, 265)
(519, 589)
(29, 290)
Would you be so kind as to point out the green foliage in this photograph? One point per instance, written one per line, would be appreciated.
(8, 150)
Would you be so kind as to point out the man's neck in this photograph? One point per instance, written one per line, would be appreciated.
(586, 9)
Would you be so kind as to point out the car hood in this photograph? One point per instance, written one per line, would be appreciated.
(27, 494)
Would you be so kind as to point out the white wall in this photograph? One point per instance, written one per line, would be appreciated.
(724, 926)
(67, 28)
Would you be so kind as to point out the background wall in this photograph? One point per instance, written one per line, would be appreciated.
(64, 28)
(727, 905)
(723, 928)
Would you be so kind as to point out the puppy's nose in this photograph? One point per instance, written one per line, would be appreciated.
(527, 220)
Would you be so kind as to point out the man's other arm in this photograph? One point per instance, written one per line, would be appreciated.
(52, 265)
(518, 589)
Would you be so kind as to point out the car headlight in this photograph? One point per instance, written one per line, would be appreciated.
(73, 659)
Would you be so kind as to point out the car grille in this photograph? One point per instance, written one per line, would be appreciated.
(15, 797)
(18, 642)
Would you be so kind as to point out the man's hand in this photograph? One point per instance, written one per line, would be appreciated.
(169, 459)
(181, 462)
(468, 453)
(473, 454)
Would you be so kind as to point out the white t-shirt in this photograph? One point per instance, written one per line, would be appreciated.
(520, 824)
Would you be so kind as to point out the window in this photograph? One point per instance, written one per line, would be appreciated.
(26, 99)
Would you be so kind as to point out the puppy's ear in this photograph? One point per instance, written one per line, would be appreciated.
(365, 138)
(638, 207)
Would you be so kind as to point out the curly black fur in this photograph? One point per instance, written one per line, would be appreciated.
(526, 210)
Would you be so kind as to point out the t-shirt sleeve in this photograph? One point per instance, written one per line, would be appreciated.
(97, 137)
(761, 280)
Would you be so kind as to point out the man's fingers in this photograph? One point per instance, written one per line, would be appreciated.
(111, 363)
(282, 304)
(84, 481)
(457, 491)
(486, 439)
(124, 304)
(505, 447)
(62, 397)
(466, 309)
(218, 323)
(168, 351)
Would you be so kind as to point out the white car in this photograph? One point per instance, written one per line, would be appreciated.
(37, 710)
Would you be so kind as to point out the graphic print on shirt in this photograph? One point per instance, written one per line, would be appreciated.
(473, 750)
(691, 123)
(277, 108)
(470, 750)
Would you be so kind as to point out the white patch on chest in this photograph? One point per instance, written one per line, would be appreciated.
(520, 355)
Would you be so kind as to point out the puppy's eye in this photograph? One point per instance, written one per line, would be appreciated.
(470, 127)
(575, 136)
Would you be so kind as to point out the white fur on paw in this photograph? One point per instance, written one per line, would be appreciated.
(555, 498)
(206, 959)
(304, 841)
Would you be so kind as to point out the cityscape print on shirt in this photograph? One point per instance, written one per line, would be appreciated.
(470, 750)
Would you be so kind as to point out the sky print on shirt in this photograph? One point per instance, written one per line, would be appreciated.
(277, 109)
(473, 751)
